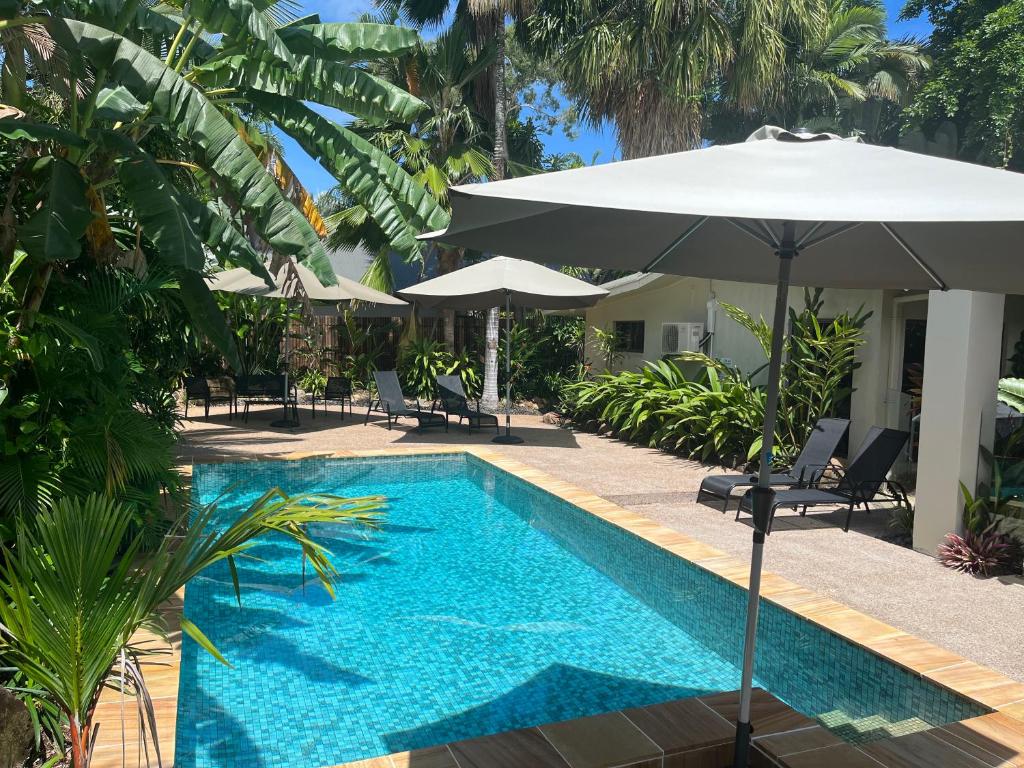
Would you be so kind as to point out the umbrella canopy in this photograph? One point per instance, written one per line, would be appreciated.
(810, 209)
(294, 281)
(865, 216)
(499, 280)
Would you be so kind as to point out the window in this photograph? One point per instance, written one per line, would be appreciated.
(630, 334)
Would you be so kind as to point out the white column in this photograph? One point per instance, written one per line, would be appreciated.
(961, 370)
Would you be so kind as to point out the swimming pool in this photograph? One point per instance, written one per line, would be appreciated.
(484, 604)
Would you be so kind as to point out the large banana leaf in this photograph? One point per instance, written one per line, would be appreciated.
(242, 21)
(207, 317)
(13, 128)
(158, 204)
(161, 23)
(54, 231)
(228, 244)
(219, 148)
(341, 86)
(1011, 393)
(369, 175)
(349, 42)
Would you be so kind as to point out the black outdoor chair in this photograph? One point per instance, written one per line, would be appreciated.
(209, 391)
(390, 400)
(338, 390)
(861, 483)
(453, 400)
(808, 467)
(266, 388)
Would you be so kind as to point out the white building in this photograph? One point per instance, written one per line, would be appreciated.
(961, 338)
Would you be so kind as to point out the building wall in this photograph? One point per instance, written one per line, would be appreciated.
(685, 300)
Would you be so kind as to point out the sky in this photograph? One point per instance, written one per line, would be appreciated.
(590, 142)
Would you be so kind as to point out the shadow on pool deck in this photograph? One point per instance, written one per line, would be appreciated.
(559, 692)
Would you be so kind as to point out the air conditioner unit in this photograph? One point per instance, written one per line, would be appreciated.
(681, 337)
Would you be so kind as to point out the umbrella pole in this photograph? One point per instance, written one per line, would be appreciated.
(508, 438)
(286, 422)
(763, 495)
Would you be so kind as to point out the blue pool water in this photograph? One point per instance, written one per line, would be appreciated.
(483, 604)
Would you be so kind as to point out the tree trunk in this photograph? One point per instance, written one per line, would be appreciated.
(500, 160)
(489, 399)
(449, 260)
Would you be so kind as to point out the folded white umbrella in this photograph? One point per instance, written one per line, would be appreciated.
(809, 209)
(295, 281)
(512, 282)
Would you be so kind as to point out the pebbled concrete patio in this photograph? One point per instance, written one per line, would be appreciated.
(979, 619)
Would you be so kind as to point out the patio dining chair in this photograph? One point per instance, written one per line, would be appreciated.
(808, 467)
(338, 390)
(209, 391)
(861, 483)
(453, 400)
(390, 400)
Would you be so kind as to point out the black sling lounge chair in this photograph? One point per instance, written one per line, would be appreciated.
(861, 483)
(391, 402)
(808, 467)
(453, 400)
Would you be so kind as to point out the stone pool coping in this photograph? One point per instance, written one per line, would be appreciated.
(973, 681)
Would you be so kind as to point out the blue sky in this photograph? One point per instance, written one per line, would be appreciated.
(589, 142)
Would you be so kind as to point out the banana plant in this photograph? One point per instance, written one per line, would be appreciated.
(137, 126)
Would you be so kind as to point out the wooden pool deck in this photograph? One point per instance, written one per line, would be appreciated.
(785, 738)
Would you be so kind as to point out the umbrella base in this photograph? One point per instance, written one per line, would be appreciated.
(507, 440)
(285, 423)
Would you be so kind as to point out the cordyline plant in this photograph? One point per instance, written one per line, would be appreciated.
(75, 589)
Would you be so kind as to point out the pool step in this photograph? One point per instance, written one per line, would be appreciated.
(861, 730)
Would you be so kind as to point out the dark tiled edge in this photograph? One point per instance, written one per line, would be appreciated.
(688, 733)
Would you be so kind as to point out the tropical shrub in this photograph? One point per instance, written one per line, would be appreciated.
(422, 360)
(313, 382)
(979, 554)
(546, 356)
(718, 414)
(75, 587)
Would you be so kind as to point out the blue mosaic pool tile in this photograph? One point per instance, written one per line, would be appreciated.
(484, 604)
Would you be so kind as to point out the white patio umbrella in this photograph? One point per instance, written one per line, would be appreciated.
(297, 282)
(512, 282)
(832, 213)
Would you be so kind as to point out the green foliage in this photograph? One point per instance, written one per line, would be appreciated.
(978, 77)
(547, 355)
(313, 382)
(608, 346)
(1016, 360)
(715, 416)
(76, 586)
(1011, 392)
(718, 415)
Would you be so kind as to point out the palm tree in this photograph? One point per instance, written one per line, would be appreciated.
(76, 587)
(651, 67)
(485, 20)
(844, 76)
(446, 146)
(834, 73)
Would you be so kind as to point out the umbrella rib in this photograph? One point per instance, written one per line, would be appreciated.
(805, 243)
(747, 229)
(675, 244)
(926, 268)
(767, 229)
(809, 234)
